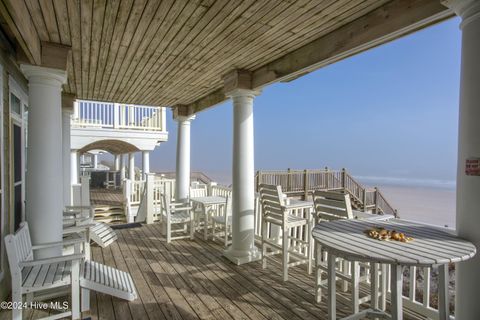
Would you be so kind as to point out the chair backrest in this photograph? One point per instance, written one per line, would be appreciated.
(271, 201)
(198, 192)
(19, 248)
(330, 205)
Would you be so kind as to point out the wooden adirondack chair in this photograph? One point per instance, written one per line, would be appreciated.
(99, 232)
(274, 213)
(329, 206)
(31, 276)
(35, 279)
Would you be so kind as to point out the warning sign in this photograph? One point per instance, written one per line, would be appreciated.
(472, 167)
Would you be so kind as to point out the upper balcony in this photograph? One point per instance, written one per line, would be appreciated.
(96, 124)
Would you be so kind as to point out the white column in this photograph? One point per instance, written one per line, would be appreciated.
(95, 161)
(123, 171)
(67, 184)
(117, 162)
(131, 166)
(182, 184)
(44, 159)
(74, 167)
(467, 305)
(145, 163)
(243, 249)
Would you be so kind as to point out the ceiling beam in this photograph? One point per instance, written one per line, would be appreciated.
(395, 19)
(15, 15)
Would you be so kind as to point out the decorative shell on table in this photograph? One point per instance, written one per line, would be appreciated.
(383, 234)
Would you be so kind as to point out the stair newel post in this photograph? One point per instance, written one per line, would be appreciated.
(326, 178)
(343, 178)
(365, 199)
(289, 180)
(305, 183)
(85, 191)
(376, 200)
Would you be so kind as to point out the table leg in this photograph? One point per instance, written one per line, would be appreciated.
(205, 224)
(443, 301)
(332, 303)
(383, 287)
(396, 288)
(374, 285)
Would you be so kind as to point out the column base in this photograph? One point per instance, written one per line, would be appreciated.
(242, 256)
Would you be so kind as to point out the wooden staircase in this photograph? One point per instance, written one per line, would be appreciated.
(108, 206)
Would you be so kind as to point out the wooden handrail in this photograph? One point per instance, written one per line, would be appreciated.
(303, 182)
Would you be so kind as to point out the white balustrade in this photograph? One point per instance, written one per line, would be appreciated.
(93, 114)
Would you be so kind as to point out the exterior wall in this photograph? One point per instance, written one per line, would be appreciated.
(10, 68)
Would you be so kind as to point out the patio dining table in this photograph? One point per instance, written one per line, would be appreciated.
(206, 203)
(431, 246)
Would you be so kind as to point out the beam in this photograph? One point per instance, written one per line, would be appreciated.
(54, 55)
(391, 21)
(20, 24)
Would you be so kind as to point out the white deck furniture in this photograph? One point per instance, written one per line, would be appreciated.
(224, 223)
(176, 214)
(99, 232)
(276, 214)
(331, 206)
(30, 276)
(431, 247)
(207, 204)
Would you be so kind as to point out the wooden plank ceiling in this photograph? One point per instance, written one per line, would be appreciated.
(171, 52)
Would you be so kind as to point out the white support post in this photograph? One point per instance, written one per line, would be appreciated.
(117, 162)
(85, 191)
(67, 183)
(95, 161)
(123, 170)
(468, 186)
(145, 163)
(149, 178)
(44, 206)
(243, 249)
(131, 166)
(183, 158)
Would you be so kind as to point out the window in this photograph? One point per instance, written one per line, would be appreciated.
(18, 106)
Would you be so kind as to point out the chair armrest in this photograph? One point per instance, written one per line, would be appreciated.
(181, 209)
(59, 243)
(76, 229)
(70, 257)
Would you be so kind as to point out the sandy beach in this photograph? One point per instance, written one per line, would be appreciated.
(426, 204)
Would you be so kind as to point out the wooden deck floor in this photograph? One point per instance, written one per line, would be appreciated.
(190, 280)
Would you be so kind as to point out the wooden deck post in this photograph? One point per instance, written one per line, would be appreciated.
(305, 184)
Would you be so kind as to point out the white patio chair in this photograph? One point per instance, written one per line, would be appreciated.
(224, 223)
(176, 214)
(274, 213)
(198, 210)
(330, 206)
(37, 278)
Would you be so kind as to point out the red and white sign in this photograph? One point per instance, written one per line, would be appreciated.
(472, 167)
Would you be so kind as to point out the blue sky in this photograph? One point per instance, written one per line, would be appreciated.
(388, 112)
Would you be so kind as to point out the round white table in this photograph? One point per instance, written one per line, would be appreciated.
(431, 246)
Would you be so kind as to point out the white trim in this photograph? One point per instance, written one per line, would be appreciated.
(2, 181)
(18, 119)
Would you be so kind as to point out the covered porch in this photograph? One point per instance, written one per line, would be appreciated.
(60, 48)
(192, 280)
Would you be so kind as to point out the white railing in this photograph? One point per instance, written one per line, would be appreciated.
(93, 114)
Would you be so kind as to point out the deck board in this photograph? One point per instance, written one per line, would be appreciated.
(192, 280)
